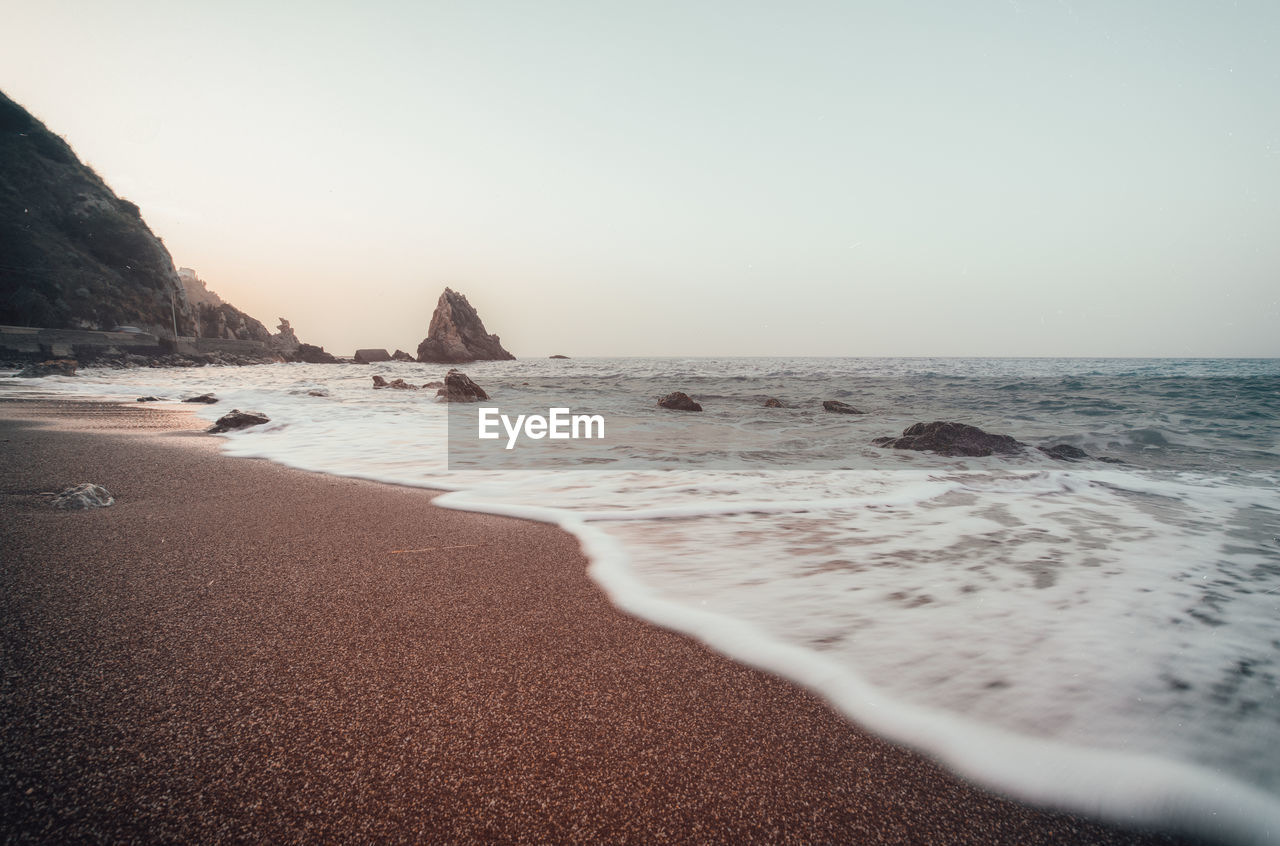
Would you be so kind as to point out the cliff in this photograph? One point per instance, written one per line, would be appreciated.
(456, 334)
(73, 255)
(216, 318)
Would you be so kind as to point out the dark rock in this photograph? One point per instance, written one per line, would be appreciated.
(678, 401)
(558, 356)
(379, 382)
(840, 407)
(401, 355)
(52, 367)
(311, 354)
(434, 385)
(1065, 452)
(456, 334)
(207, 399)
(238, 419)
(318, 392)
(370, 356)
(771, 402)
(149, 399)
(458, 387)
(83, 495)
(946, 438)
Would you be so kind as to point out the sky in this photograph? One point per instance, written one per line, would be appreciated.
(952, 178)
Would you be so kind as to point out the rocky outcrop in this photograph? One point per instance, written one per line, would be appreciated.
(369, 356)
(951, 439)
(216, 318)
(456, 334)
(458, 387)
(401, 355)
(838, 407)
(285, 341)
(311, 354)
(679, 401)
(237, 419)
(558, 356)
(53, 367)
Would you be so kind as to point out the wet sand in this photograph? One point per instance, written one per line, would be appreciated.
(238, 651)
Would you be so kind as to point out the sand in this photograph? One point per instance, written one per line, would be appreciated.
(238, 651)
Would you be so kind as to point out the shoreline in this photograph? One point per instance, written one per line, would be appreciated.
(212, 666)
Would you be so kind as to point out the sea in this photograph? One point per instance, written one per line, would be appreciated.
(1099, 636)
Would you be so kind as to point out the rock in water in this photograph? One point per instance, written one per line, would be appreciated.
(840, 407)
(401, 355)
(311, 354)
(207, 399)
(370, 356)
(1065, 452)
(458, 387)
(238, 419)
(946, 438)
(53, 367)
(679, 401)
(558, 356)
(84, 495)
(773, 402)
(457, 334)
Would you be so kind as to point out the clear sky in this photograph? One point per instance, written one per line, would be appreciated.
(1004, 177)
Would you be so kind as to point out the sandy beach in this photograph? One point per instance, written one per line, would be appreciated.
(238, 651)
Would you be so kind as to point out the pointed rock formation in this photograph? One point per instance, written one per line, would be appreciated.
(457, 334)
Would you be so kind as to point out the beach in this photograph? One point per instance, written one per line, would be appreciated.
(239, 651)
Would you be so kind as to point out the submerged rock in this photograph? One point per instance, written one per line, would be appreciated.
(435, 384)
(83, 495)
(237, 419)
(557, 356)
(839, 407)
(379, 382)
(947, 438)
(458, 387)
(207, 399)
(679, 401)
(149, 399)
(773, 402)
(1065, 452)
(52, 367)
(457, 334)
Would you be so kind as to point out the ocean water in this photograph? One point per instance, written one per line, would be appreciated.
(1103, 637)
